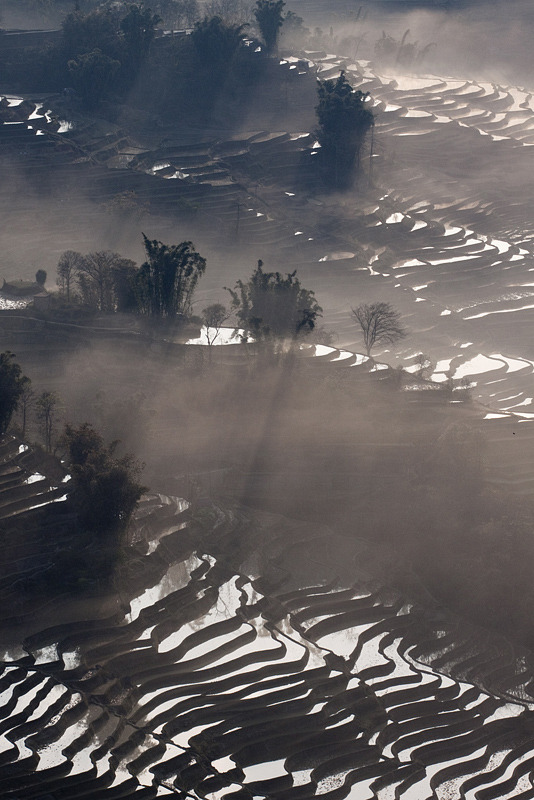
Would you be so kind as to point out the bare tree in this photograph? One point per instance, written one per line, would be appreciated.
(213, 318)
(425, 365)
(380, 324)
(101, 277)
(47, 414)
(26, 400)
(67, 268)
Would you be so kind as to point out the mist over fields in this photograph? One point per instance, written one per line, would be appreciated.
(326, 588)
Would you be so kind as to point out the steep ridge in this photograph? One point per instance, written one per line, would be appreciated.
(263, 665)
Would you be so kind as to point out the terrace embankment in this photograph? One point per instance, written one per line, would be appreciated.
(268, 658)
(440, 227)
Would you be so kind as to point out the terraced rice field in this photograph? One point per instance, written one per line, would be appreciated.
(450, 243)
(274, 669)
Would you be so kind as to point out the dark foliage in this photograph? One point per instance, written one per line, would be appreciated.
(270, 306)
(216, 41)
(92, 75)
(270, 18)
(165, 283)
(105, 490)
(379, 323)
(344, 118)
(12, 384)
(40, 277)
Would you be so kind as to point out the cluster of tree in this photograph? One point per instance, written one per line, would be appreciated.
(101, 280)
(273, 308)
(345, 118)
(162, 287)
(104, 50)
(104, 488)
(18, 395)
(268, 307)
(390, 52)
(100, 52)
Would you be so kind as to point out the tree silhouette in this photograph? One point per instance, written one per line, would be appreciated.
(216, 41)
(40, 277)
(271, 307)
(165, 283)
(47, 406)
(92, 76)
(270, 18)
(67, 268)
(12, 384)
(344, 118)
(379, 323)
(105, 490)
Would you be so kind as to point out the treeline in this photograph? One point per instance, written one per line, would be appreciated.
(106, 282)
(102, 492)
(106, 57)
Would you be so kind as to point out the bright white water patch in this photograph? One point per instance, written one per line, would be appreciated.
(514, 364)
(337, 256)
(501, 246)
(176, 577)
(64, 126)
(467, 344)
(497, 416)
(392, 107)
(35, 114)
(6, 303)
(500, 311)
(344, 355)
(323, 350)
(413, 262)
(478, 365)
(445, 312)
(450, 230)
(395, 218)
(360, 359)
(225, 336)
(526, 402)
(14, 101)
(418, 288)
(443, 365)
(417, 112)
(34, 478)
(420, 223)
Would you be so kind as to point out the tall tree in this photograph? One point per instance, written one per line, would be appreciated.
(103, 278)
(92, 76)
(380, 324)
(12, 384)
(216, 41)
(83, 33)
(273, 307)
(345, 118)
(165, 283)
(40, 277)
(47, 413)
(26, 400)
(67, 268)
(270, 18)
(138, 29)
(213, 318)
(105, 490)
